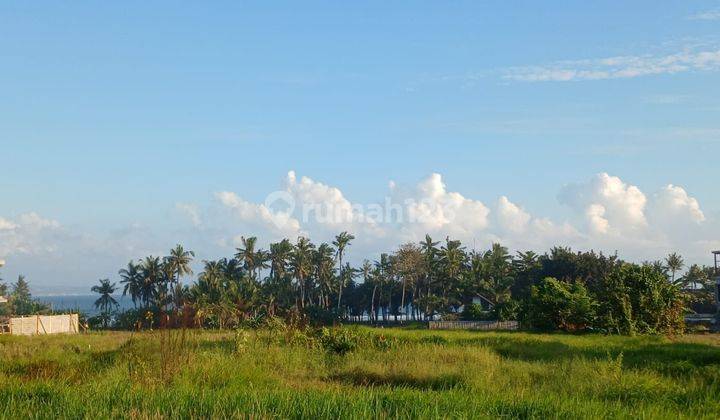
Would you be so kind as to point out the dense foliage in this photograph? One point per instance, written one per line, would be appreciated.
(560, 289)
(19, 299)
(558, 305)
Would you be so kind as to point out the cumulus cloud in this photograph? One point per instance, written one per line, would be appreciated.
(619, 67)
(511, 217)
(672, 203)
(6, 224)
(609, 204)
(259, 216)
(431, 208)
(608, 214)
(620, 216)
(326, 208)
(29, 233)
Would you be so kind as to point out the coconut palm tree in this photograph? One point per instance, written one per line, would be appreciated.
(452, 258)
(252, 260)
(674, 263)
(341, 242)
(366, 270)
(497, 273)
(324, 272)
(179, 261)
(151, 272)
(106, 301)
(301, 264)
(131, 277)
(278, 256)
(410, 267)
(383, 277)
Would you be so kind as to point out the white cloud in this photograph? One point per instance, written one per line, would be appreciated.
(706, 15)
(511, 217)
(434, 209)
(191, 211)
(596, 218)
(609, 214)
(326, 208)
(28, 234)
(609, 204)
(6, 224)
(258, 217)
(620, 67)
(672, 204)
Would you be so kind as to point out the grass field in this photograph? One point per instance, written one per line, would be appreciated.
(400, 373)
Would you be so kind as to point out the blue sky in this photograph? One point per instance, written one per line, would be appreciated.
(116, 118)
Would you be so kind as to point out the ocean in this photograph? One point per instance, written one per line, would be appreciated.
(83, 303)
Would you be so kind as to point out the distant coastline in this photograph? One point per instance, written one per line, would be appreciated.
(85, 303)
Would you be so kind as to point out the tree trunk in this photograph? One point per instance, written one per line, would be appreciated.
(302, 292)
(402, 298)
(342, 280)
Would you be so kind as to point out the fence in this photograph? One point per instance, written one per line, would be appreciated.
(473, 325)
(44, 324)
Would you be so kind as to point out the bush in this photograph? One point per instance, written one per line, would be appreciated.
(505, 311)
(474, 312)
(318, 316)
(342, 340)
(639, 299)
(558, 305)
(339, 340)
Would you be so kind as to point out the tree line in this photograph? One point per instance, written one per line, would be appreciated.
(560, 289)
(19, 299)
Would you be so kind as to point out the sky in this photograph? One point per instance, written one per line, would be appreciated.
(128, 127)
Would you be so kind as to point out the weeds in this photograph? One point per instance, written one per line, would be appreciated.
(290, 371)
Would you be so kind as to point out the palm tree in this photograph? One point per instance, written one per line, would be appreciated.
(212, 274)
(324, 272)
(410, 266)
(152, 287)
(301, 264)
(452, 259)
(383, 275)
(179, 262)
(367, 273)
(341, 241)
(674, 263)
(133, 281)
(252, 260)
(105, 302)
(430, 252)
(278, 256)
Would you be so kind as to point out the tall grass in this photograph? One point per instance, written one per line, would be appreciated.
(386, 373)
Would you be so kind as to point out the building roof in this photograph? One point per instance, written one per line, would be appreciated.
(3, 299)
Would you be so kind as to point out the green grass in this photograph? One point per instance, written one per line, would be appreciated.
(418, 374)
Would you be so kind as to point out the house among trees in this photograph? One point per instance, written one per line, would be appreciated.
(485, 303)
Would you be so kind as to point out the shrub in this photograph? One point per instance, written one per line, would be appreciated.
(558, 305)
(639, 299)
(339, 340)
(318, 316)
(342, 340)
(507, 310)
(474, 312)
